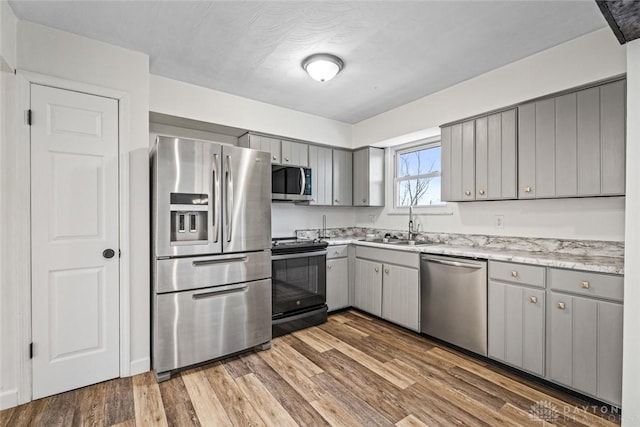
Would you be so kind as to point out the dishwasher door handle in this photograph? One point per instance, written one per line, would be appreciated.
(454, 263)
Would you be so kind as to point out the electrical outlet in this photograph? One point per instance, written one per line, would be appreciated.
(372, 219)
(499, 221)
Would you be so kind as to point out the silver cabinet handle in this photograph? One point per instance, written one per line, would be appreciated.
(585, 285)
(514, 273)
(376, 269)
(329, 266)
(364, 200)
(229, 193)
(561, 305)
(467, 192)
(533, 300)
(481, 192)
(336, 200)
(526, 189)
(274, 157)
(216, 198)
(386, 271)
(286, 159)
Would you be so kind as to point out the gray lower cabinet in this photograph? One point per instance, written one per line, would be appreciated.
(321, 164)
(517, 326)
(342, 178)
(368, 177)
(368, 286)
(573, 144)
(585, 333)
(337, 277)
(387, 284)
(516, 315)
(401, 296)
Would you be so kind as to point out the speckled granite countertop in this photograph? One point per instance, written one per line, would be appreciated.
(601, 264)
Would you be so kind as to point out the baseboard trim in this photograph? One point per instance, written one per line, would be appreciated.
(9, 399)
(140, 366)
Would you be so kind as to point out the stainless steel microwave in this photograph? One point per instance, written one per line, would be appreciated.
(290, 183)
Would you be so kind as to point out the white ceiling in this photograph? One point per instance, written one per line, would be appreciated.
(394, 51)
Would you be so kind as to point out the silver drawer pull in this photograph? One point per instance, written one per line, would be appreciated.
(328, 266)
(219, 261)
(376, 269)
(585, 285)
(533, 300)
(222, 291)
(561, 306)
(386, 270)
(467, 193)
(527, 189)
(514, 273)
(481, 192)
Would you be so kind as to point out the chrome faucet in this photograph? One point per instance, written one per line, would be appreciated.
(324, 227)
(412, 232)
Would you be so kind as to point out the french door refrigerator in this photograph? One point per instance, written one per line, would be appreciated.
(211, 258)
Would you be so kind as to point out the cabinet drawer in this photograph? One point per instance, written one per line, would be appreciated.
(517, 273)
(589, 284)
(400, 257)
(337, 251)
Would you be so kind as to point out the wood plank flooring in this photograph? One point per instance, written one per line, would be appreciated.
(352, 371)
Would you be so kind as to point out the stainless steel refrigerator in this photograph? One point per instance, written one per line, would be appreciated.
(211, 258)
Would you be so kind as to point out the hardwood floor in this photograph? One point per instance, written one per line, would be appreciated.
(352, 371)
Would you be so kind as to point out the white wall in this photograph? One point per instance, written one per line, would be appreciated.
(288, 217)
(56, 53)
(589, 58)
(8, 289)
(631, 368)
(194, 102)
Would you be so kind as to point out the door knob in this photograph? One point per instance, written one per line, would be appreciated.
(108, 253)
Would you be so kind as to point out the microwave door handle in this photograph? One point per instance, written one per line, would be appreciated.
(216, 198)
(303, 181)
(229, 198)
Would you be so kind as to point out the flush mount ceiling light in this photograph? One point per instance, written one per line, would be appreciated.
(322, 66)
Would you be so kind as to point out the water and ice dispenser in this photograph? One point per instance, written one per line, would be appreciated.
(189, 214)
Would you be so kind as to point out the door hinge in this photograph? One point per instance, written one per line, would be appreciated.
(30, 350)
(29, 116)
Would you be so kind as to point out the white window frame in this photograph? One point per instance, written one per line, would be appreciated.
(405, 148)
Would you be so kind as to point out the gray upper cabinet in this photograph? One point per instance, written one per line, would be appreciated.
(294, 153)
(321, 164)
(496, 156)
(368, 177)
(479, 158)
(262, 143)
(342, 177)
(574, 144)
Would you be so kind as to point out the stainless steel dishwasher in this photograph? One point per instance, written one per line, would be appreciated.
(454, 301)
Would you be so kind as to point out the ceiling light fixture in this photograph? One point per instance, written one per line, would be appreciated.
(322, 66)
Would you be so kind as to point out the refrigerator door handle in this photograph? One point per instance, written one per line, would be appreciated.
(229, 198)
(216, 198)
(303, 181)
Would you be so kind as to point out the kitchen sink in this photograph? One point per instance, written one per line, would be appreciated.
(399, 242)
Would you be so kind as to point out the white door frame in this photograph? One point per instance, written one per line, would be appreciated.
(23, 231)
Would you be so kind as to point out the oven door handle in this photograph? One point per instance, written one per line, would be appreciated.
(298, 255)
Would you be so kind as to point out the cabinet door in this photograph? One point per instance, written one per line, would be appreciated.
(368, 286)
(610, 352)
(271, 145)
(482, 158)
(445, 175)
(401, 296)
(456, 163)
(566, 153)
(516, 326)
(294, 153)
(545, 157)
(508, 151)
(468, 160)
(337, 283)
(361, 177)
(342, 178)
(321, 164)
(612, 134)
(527, 151)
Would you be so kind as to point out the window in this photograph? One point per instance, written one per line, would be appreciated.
(417, 176)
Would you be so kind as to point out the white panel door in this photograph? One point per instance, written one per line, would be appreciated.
(74, 218)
